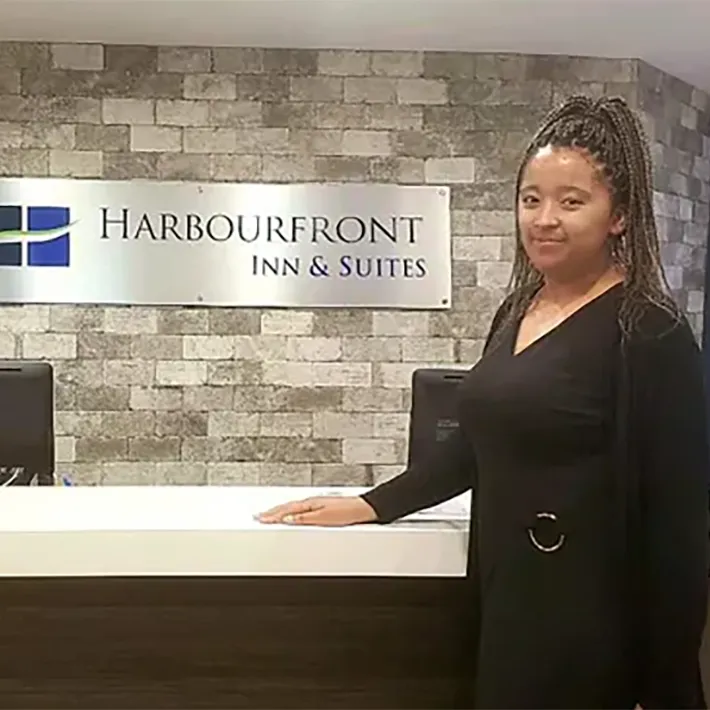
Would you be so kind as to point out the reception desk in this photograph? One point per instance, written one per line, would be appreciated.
(175, 597)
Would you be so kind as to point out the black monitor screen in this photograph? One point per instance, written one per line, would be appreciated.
(433, 414)
(26, 422)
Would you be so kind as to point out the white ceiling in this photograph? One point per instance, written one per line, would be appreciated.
(672, 34)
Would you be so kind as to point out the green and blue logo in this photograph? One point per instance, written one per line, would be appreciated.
(34, 236)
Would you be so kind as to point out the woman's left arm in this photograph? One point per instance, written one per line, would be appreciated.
(674, 471)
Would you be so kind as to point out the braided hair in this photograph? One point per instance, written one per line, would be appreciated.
(612, 135)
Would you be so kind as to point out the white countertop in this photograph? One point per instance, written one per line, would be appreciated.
(210, 530)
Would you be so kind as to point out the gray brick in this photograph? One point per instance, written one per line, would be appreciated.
(316, 88)
(210, 86)
(181, 113)
(187, 60)
(238, 60)
(296, 62)
(78, 56)
(9, 81)
(234, 114)
(80, 164)
(409, 64)
(109, 139)
(175, 166)
(344, 63)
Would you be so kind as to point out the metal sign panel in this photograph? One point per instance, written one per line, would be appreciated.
(255, 245)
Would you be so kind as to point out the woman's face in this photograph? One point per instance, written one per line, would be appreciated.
(566, 214)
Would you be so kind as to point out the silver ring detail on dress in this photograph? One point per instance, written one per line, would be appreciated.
(538, 545)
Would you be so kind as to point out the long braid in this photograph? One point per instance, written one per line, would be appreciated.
(609, 131)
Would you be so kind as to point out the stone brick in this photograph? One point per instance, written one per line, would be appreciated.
(177, 166)
(237, 167)
(209, 140)
(129, 372)
(207, 347)
(128, 111)
(50, 346)
(208, 398)
(367, 143)
(407, 64)
(186, 60)
(127, 166)
(78, 56)
(76, 163)
(344, 63)
(342, 322)
(159, 399)
(178, 373)
(179, 473)
(427, 349)
(345, 169)
(369, 451)
(394, 117)
(128, 424)
(100, 450)
(154, 448)
(340, 475)
(288, 169)
(238, 60)
(388, 323)
(210, 86)
(43, 135)
(341, 116)
(181, 113)
(102, 138)
(313, 349)
(319, 374)
(161, 347)
(385, 349)
(129, 474)
(316, 88)
(339, 425)
(287, 323)
(296, 62)
(290, 424)
(9, 81)
(421, 91)
(375, 399)
(450, 170)
(261, 140)
(158, 139)
(11, 135)
(370, 90)
(449, 65)
(234, 114)
(131, 320)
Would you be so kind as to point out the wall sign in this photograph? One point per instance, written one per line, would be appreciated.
(254, 245)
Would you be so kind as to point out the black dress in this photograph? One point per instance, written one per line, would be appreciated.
(537, 444)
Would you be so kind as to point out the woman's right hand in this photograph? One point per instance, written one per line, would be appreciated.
(326, 511)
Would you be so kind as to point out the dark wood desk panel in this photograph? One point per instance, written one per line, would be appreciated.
(153, 643)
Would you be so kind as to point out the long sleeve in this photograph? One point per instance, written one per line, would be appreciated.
(449, 471)
(673, 474)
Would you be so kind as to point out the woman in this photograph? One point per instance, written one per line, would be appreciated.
(582, 433)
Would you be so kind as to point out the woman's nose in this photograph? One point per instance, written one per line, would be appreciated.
(546, 215)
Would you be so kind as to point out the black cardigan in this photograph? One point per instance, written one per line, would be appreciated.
(663, 461)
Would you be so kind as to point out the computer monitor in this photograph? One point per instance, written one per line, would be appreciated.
(433, 413)
(26, 423)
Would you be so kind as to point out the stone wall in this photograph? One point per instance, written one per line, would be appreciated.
(678, 121)
(200, 395)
